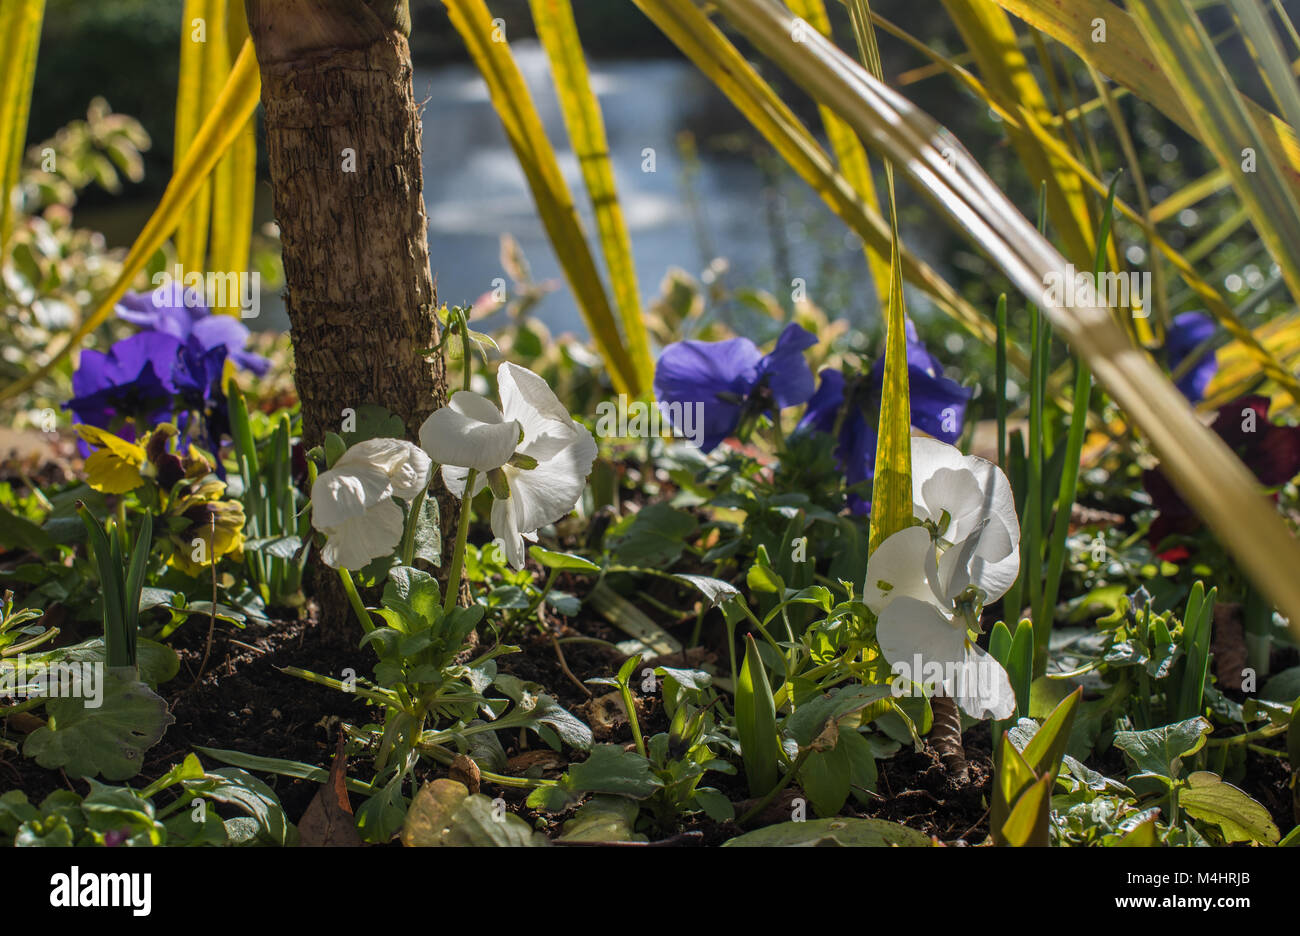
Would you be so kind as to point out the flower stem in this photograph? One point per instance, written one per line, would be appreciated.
(412, 521)
(458, 553)
(354, 599)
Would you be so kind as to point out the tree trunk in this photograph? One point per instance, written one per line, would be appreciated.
(343, 145)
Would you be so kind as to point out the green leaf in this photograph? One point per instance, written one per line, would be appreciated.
(604, 819)
(21, 534)
(756, 722)
(1044, 751)
(608, 769)
(833, 832)
(109, 740)
(825, 777)
(445, 814)
(565, 562)
(715, 591)
(1241, 819)
(653, 536)
(241, 789)
(1159, 751)
(415, 595)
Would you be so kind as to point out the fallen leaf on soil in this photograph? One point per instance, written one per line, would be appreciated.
(328, 820)
(464, 770)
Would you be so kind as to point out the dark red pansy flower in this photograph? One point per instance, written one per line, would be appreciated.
(1271, 451)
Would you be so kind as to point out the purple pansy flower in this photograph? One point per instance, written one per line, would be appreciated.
(938, 406)
(194, 325)
(1186, 333)
(174, 365)
(732, 380)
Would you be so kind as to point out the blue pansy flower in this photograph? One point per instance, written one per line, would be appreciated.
(938, 406)
(733, 381)
(1187, 332)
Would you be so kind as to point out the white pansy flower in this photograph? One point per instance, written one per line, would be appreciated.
(352, 503)
(928, 583)
(532, 454)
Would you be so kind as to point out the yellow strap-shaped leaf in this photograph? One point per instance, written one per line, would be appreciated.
(1215, 304)
(514, 106)
(20, 33)
(559, 34)
(1212, 480)
(849, 153)
(990, 35)
(1192, 65)
(234, 107)
(234, 181)
(705, 45)
(1125, 57)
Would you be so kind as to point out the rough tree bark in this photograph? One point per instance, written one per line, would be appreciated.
(343, 145)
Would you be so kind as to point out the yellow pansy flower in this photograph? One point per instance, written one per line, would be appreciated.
(114, 468)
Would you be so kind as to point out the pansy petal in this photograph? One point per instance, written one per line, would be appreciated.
(530, 401)
(981, 686)
(788, 375)
(343, 494)
(453, 476)
(359, 540)
(469, 432)
(904, 565)
(405, 463)
(506, 529)
(548, 492)
(714, 374)
(917, 635)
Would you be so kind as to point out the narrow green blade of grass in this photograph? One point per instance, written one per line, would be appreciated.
(756, 722)
(559, 35)
(514, 106)
(222, 126)
(20, 34)
(1056, 548)
(197, 68)
(1211, 479)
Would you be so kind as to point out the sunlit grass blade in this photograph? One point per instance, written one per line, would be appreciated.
(705, 45)
(1127, 58)
(849, 153)
(991, 37)
(1213, 301)
(203, 43)
(234, 182)
(20, 33)
(222, 126)
(1213, 481)
(1056, 546)
(1188, 56)
(891, 488)
(514, 107)
(559, 35)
